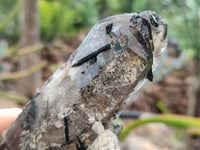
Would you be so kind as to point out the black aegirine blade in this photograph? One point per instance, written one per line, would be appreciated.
(92, 55)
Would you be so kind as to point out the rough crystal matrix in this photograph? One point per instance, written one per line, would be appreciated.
(92, 85)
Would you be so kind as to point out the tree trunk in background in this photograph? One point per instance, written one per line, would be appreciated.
(193, 95)
(29, 35)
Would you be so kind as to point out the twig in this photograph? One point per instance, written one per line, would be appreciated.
(30, 49)
(15, 97)
(26, 50)
(174, 120)
(22, 74)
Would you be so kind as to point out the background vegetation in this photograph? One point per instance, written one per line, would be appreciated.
(63, 20)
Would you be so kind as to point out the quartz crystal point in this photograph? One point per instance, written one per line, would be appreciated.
(91, 86)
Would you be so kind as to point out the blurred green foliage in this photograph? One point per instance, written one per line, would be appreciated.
(9, 22)
(64, 18)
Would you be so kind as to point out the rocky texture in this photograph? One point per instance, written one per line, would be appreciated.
(67, 107)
